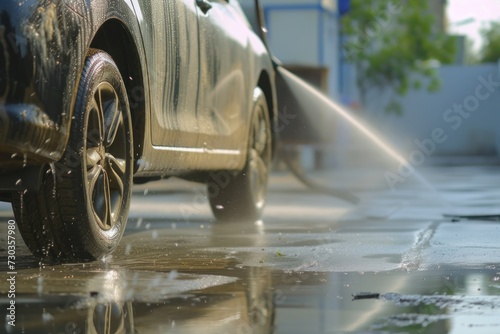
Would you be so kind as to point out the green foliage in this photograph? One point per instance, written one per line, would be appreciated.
(490, 52)
(471, 56)
(393, 44)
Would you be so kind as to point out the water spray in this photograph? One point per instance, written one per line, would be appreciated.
(315, 113)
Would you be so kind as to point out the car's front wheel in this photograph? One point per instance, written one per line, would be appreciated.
(243, 196)
(81, 210)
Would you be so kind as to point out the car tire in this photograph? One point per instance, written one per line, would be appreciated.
(81, 209)
(242, 196)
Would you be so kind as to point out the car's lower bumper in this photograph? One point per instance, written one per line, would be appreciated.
(27, 135)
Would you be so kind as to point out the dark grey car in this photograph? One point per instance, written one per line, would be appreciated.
(95, 94)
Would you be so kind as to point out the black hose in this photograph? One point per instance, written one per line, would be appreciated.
(300, 175)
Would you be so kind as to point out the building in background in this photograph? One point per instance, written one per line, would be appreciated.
(438, 10)
(441, 25)
(304, 36)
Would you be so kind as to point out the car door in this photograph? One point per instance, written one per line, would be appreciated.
(173, 72)
(223, 93)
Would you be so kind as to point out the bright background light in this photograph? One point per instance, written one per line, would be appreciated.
(482, 11)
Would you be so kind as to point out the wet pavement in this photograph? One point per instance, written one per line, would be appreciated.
(412, 260)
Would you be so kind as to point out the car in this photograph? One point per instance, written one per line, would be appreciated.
(97, 95)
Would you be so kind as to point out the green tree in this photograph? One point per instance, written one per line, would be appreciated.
(471, 56)
(490, 51)
(389, 41)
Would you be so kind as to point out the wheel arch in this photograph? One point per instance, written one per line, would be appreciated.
(265, 83)
(114, 38)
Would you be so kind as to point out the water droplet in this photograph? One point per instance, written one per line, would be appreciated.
(135, 279)
(46, 317)
(128, 248)
(39, 285)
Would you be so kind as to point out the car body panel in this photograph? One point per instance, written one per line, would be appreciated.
(43, 45)
(36, 78)
(171, 29)
(224, 91)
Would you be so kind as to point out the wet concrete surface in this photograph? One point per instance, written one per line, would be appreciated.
(314, 264)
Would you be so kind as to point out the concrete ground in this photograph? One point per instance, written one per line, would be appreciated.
(421, 258)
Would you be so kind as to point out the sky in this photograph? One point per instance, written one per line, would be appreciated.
(482, 11)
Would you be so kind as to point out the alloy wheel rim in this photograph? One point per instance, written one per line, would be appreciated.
(259, 158)
(105, 156)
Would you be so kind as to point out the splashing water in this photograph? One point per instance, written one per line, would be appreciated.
(39, 285)
(313, 98)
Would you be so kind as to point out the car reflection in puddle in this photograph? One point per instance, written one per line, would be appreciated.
(260, 300)
(65, 300)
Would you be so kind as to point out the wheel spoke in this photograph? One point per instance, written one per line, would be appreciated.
(260, 135)
(95, 127)
(101, 199)
(262, 170)
(97, 190)
(107, 201)
(258, 174)
(99, 100)
(116, 171)
(100, 192)
(114, 120)
(92, 176)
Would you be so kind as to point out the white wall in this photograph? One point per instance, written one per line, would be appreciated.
(305, 32)
(293, 35)
(474, 132)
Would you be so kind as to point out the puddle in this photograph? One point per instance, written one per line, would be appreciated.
(439, 301)
(114, 284)
(108, 298)
(289, 274)
(228, 297)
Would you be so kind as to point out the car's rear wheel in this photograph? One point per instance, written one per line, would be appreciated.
(243, 196)
(81, 210)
